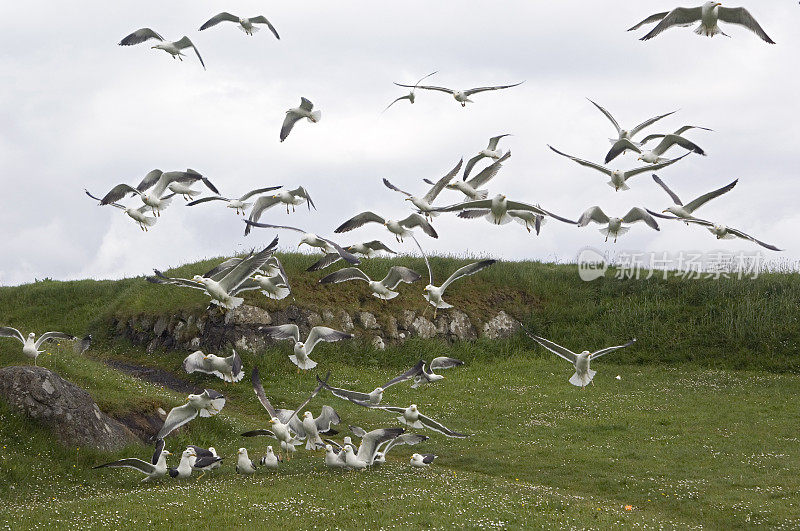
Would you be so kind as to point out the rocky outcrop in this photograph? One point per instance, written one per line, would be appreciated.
(215, 330)
(63, 407)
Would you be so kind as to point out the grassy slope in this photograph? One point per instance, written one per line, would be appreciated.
(682, 443)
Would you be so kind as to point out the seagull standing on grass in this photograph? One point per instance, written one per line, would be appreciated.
(270, 460)
(228, 369)
(30, 345)
(206, 404)
(411, 97)
(155, 469)
(293, 115)
(246, 24)
(687, 210)
(205, 460)
(302, 350)
(422, 460)
(708, 15)
(414, 419)
(244, 465)
(583, 373)
(461, 96)
(382, 289)
(424, 204)
(184, 468)
(240, 205)
(173, 48)
(614, 225)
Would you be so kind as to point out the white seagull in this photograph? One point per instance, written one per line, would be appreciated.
(411, 97)
(375, 396)
(424, 203)
(139, 215)
(422, 460)
(614, 225)
(184, 468)
(292, 198)
(365, 456)
(274, 283)
(490, 151)
(708, 15)
(722, 232)
(155, 184)
(312, 240)
(334, 457)
(406, 438)
(30, 345)
(293, 115)
(270, 460)
(312, 427)
(461, 96)
(206, 404)
(240, 204)
(228, 369)
(583, 373)
(401, 229)
(246, 24)
(619, 177)
(413, 418)
(471, 188)
(367, 249)
(382, 289)
(302, 349)
(687, 210)
(155, 469)
(244, 465)
(498, 210)
(173, 48)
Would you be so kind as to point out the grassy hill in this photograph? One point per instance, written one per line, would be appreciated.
(700, 429)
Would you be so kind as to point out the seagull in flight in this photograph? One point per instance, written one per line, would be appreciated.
(461, 96)
(424, 204)
(687, 210)
(367, 249)
(382, 289)
(491, 152)
(302, 349)
(240, 204)
(614, 225)
(411, 97)
(471, 188)
(414, 419)
(206, 404)
(722, 232)
(292, 198)
(155, 469)
(173, 48)
(293, 115)
(30, 345)
(312, 240)
(246, 24)
(401, 229)
(229, 369)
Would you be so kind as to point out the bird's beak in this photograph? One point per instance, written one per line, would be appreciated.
(407, 199)
(169, 453)
(664, 211)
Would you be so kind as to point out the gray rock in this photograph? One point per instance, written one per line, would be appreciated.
(160, 326)
(63, 407)
(368, 321)
(314, 319)
(501, 325)
(248, 315)
(346, 321)
(377, 343)
(407, 319)
(327, 315)
(460, 326)
(391, 328)
(423, 328)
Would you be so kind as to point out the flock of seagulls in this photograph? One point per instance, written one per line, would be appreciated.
(263, 271)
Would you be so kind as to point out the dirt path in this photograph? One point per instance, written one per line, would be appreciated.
(156, 376)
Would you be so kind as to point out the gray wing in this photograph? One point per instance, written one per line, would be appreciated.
(359, 220)
(325, 261)
(235, 361)
(649, 122)
(288, 123)
(488, 173)
(427, 87)
(314, 393)
(441, 183)
(207, 199)
(390, 186)
(371, 440)
(323, 333)
(640, 214)
(83, 345)
(358, 431)
(216, 19)
(604, 351)
(306, 104)
(302, 192)
(742, 17)
(555, 348)
(495, 139)
(652, 167)
(480, 204)
(242, 271)
(50, 336)
(159, 447)
(343, 275)
(517, 205)
(150, 180)
(221, 268)
(200, 451)
(649, 20)
(470, 163)
(469, 269)
(472, 214)
(685, 128)
(670, 140)
(608, 114)
(177, 417)
(410, 373)
(130, 462)
(616, 150)
(427, 263)
(194, 362)
(117, 193)
(583, 162)
(406, 438)
(705, 198)
(443, 362)
(115, 205)
(257, 191)
(406, 97)
(740, 234)
(261, 19)
(377, 245)
(270, 226)
(476, 90)
(439, 427)
(185, 42)
(346, 394)
(345, 255)
(261, 395)
(673, 195)
(261, 204)
(161, 278)
(595, 214)
(285, 331)
(327, 418)
(139, 36)
(680, 16)
(7, 331)
(398, 274)
(415, 220)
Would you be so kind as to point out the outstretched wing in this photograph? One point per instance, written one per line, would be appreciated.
(410, 373)
(488, 173)
(469, 269)
(604, 351)
(117, 193)
(441, 183)
(7, 331)
(323, 333)
(371, 440)
(443, 362)
(390, 186)
(608, 114)
(261, 395)
(583, 162)
(649, 20)
(649, 122)
(439, 427)
(346, 394)
(640, 214)
(406, 438)
(139, 36)
(595, 214)
(742, 17)
(673, 195)
(652, 167)
(377, 245)
(343, 275)
(288, 123)
(416, 220)
(261, 204)
(327, 418)
(398, 274)
(703, 199)
(555, 348)
(470, 163)
(257, 191)
(358, 220)
(740, 234)
(285, 331)
(670, 140)
(680, 16)
(130, 462)
(177, 417)
(50, 336)
(302, 192)
(406, 97)
(427, 87)
(325, 261)
(216, 19)
(185, 42)
(476, 90)
(261, 19)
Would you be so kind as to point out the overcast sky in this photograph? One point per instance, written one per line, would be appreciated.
(76, 111)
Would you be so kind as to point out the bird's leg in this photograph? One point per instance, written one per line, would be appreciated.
(606, 237)
(202, 473)
(615, 238)
(434, 312)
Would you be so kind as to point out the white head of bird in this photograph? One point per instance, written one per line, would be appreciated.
(413, 407)
(241, 451)
(31, 335)
(199, 278)
(328, 448)
(308, 415)
(274, 420)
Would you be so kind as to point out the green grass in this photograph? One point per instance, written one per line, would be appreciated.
(700, 430)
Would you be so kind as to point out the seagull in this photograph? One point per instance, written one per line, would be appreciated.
(83, 345)
(367, 249)
(374, 397)
(240, 205)
(461, 96)
(614, 225)
(270, 460)
(470, 188)
(312, 427)
(305, 110)
(312, 240)
(491, 152)
(365, 455)
(496, 210)
(247, 25)
(303, 349)
(619, 177)
(624, 134)
(274, 286)
(155, 469)
(223, 290)
(687, 210)
(424, 203)
(426, 374)
(382, 289)
(410, 96)
(136, 214)
(206, 404)
(583, 374)
(280, 420)
(678, 132)
(288, 197)
(422, 460)
(708, 15)
(722, 232)
(154, 185)
(406, 438)
(184, 468)
(229, 368)
(244, 465)
(654, 156)
(400, 229)
(173, 48)
(30, 345)
(334, 458)
(413, 418)
(205, 459)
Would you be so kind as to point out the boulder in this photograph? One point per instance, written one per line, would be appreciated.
(248, 315)
(63, 407)
(460, 326)
(423, 328)
(501, 325)
(368, 321)
(378, 343)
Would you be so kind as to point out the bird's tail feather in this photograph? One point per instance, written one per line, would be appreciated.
(505, 219)
(481, 194)
(316, 116)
